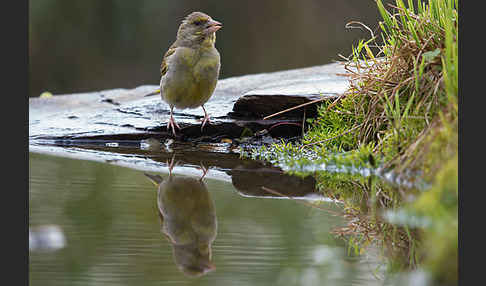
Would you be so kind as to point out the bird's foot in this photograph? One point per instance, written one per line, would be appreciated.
(172, 125)
(205, 120)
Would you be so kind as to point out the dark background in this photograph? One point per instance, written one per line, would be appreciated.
(87, 45)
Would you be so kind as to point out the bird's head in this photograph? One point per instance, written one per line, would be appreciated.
(193, 259)
(198, 28)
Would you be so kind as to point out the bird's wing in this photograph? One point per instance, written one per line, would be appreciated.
(163, 65)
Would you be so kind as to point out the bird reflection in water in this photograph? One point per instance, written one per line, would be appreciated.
(188, 219)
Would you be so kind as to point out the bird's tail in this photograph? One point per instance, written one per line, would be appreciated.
(153, 93)
(156, 179)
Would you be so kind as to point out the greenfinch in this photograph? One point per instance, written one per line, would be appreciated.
(188, 219)
(190, 68)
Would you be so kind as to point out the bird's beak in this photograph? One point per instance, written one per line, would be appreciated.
(210, 267)
(213, 26)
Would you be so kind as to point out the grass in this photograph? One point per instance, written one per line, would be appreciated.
(396, 93)
(399, 115)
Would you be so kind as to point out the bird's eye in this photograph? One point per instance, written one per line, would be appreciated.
(198, 22)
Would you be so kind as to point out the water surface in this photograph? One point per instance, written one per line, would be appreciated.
(109, 218)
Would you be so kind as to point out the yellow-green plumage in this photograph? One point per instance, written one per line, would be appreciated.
(190, 68)
(188, 218)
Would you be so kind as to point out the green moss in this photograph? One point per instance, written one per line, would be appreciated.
(439, 206)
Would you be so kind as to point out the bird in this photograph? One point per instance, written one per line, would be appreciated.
(190, 67)
(188, 220)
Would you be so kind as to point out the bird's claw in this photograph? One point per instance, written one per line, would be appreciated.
(205, 120)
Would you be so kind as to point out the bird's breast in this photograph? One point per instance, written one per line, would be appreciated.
(207, 68)
(191, 77)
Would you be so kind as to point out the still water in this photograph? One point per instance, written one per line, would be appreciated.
(113, 226)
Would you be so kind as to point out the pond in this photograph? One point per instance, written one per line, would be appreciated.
(102, 226)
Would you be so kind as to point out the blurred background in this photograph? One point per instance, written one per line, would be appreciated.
(88, 45)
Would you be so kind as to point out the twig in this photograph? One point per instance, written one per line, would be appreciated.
(283, 123)
(335, 101)
(348, 25)
(302, 202)
(303, 123)
(295, 107)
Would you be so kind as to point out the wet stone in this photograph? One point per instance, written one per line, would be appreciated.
(237, 108)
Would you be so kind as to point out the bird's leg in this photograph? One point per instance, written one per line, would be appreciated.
(206, 118)
(205, 171)
(172, 124)
(171, 165)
